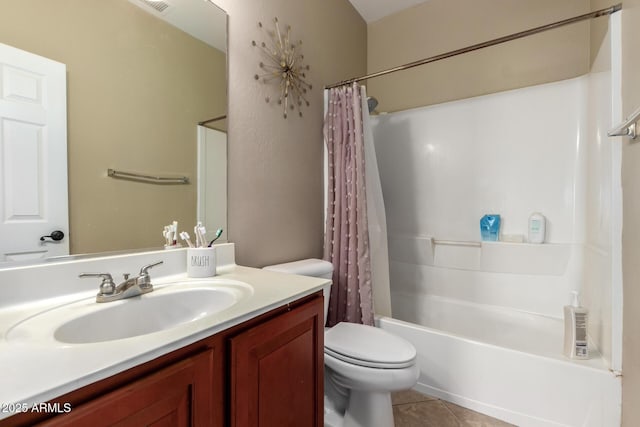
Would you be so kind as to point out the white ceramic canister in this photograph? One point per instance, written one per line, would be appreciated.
(201, 262)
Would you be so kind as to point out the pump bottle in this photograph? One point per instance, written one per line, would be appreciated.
(575, 329)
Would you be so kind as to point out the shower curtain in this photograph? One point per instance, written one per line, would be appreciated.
(351, 241)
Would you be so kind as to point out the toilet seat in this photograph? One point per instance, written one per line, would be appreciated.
(368, 346)
(364, 378)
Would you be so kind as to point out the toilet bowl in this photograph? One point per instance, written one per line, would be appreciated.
(363, 364)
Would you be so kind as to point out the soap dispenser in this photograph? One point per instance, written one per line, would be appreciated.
(575, 329)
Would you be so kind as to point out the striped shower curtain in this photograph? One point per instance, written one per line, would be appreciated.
(347, 243)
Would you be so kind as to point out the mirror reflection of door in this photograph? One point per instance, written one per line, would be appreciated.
(33, 156)
(212, 181)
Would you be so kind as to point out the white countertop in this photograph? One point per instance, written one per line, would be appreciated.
(37, 370)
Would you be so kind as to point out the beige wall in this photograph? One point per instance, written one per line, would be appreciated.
(136, 89)
(631, 218)
(439, 26)
(275, 165)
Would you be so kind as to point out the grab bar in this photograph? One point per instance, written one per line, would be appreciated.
(148, 178)
(456, 243)
(628, 127)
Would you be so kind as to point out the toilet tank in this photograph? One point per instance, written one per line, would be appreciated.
(309, 267)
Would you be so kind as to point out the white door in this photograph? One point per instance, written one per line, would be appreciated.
(33, 156)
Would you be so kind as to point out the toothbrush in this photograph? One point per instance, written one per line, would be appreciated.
(218, 234)
(185, 236)
(174, 229)
(197, 235)
(201, 233)
(165, 234)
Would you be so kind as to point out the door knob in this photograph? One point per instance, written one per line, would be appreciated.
(56, 236)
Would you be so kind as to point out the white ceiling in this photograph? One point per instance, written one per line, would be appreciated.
(373, 10)
(201, 19)
(196, 16)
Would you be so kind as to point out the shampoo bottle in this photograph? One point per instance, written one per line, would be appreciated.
(575, 330)
(537, 228)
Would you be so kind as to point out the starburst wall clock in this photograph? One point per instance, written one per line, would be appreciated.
(284, 65)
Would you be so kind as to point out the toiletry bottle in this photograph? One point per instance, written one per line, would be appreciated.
(537, 228)
(575, 330)
(490, 228)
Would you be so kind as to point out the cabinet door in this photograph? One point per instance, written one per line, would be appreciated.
(277, 371)
(178, 395)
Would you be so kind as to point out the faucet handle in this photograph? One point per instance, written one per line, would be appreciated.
(106, 277)
(144, 271)
(107, 287)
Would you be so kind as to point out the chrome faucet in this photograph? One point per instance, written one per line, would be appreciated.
(131, 287)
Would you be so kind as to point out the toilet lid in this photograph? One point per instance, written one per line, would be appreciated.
(368, 346)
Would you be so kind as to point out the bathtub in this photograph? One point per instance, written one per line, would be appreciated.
(504, 363)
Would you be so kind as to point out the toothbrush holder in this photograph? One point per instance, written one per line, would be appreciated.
(201, 262)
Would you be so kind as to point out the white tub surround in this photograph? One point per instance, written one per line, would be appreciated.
(486, 317)
(41, 369)
(536, 149)
(510, 153)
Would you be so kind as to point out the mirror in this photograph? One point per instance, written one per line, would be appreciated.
(140, 76)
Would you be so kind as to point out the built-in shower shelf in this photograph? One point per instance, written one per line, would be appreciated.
(496, 257)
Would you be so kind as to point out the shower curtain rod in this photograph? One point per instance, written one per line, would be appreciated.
(602, 12)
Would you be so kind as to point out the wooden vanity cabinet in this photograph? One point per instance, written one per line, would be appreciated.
(277, 371)
(178, 395)
(265, 372)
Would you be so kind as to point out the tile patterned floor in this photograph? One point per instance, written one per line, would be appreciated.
(412, 409)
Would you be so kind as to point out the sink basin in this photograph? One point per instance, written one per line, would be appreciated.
(86, 321)
(140, 316)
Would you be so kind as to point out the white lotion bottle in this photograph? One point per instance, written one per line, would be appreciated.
(575, 330)
(537, 228)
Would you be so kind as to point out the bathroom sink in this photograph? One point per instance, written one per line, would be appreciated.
(85, 321)
(140, 316)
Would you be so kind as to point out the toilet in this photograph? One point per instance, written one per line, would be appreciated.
(363, 364)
